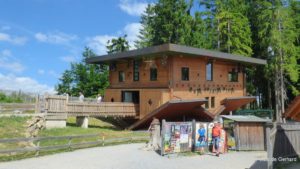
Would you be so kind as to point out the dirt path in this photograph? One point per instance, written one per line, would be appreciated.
(131, 156)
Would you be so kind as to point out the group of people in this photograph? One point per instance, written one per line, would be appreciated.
(216, 133)
(81, 97)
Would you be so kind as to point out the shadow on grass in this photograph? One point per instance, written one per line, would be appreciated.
(97, 127)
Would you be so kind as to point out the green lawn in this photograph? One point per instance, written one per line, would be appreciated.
(13, 127)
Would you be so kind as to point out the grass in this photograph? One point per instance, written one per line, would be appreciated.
(12, 127)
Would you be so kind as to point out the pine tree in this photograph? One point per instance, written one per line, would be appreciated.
(276, 36)
(167, 21)
(117, 45)
(146, 32)
(233, 27)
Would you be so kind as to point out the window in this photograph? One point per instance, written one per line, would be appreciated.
(121, 76)
(131, 97)
(136, 73)
(207, 103)
(233, 76)
(212, 102)
(153, 74)
(185, 74)
(209, 71)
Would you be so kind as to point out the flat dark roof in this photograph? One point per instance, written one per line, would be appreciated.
(175, 49)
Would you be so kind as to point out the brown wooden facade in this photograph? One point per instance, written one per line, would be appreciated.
(169, 84)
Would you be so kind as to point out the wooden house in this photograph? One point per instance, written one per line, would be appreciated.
(177, 82)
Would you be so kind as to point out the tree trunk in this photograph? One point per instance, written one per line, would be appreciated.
(269, 96)
(218, 43)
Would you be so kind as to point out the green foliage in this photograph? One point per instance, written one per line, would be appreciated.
(90, 79)
(167, 21)
(13, 98)
(117, 45)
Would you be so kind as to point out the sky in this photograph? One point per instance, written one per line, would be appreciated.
(40, 38)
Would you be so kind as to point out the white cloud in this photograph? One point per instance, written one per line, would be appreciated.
(55, 38)
(26, 84)
(17, 40)
(133, 7)
(132, 31)
(98, 43)
(41, 71)
(8, 62)
(68, 59)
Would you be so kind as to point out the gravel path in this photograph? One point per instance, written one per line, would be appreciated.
(131, 156)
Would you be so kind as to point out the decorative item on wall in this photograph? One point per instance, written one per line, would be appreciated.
(164, 60)
(112, 66)
(150, 102)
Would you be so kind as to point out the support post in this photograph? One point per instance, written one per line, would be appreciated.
(193, 134)
(37, 153)
(269, 146)
(82, 121)
(163, 128)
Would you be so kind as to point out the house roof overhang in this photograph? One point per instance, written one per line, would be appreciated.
(174, 49)
(174, 110)
(293, 110)
(233, 103)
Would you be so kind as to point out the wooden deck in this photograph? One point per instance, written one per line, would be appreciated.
(61, 106)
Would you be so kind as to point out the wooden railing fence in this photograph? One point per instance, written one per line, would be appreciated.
(9, 108)
(60, 104)
(282, 141)
(100, 141)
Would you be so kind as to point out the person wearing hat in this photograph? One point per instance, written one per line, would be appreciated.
(216, 133)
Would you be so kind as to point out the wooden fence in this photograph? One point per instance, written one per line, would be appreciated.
(56, 104)
(8, 108)
(99, 141)
(283, 142)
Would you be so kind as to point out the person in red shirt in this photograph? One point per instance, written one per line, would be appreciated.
(216, 132)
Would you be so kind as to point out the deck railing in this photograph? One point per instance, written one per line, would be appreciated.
(55, 104)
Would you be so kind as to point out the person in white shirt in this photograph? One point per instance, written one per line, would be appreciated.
(99, 98)
(81, 97)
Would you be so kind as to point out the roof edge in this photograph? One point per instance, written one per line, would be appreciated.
(175, 48)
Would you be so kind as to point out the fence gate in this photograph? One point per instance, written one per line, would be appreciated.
(40, 105)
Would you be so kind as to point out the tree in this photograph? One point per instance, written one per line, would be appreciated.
(117, 45)
(276, 36)
(146, 32)
(233, 27)
(167, 21)
(90, 79)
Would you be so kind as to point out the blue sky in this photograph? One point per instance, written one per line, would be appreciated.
(39, 38)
